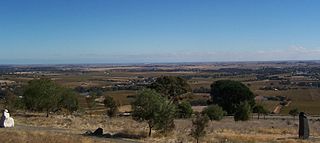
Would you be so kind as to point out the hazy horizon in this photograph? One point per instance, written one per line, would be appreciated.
(157, 31)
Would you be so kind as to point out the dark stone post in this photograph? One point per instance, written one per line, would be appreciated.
(303, 126)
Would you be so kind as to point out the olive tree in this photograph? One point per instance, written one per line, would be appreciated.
(149, 106)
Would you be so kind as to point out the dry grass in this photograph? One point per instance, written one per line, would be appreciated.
(29, 136)
(60, 128)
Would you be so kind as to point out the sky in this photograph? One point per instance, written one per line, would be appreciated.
(152, 31)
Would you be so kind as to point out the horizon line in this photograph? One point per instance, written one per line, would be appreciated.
(146, 63)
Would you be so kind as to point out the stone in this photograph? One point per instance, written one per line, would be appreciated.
(303, 126)
(88, 133)
(6, 121)
(98, 132)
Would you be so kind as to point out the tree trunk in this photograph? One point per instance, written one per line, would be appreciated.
(47, 113)
(197, 140)
(258, 116)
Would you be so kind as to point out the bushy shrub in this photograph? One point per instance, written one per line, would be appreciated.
(243, 112)
(69, 101)
(214, 112)
(184, 110)
(12, 102)
(198, 126)
(111, 105)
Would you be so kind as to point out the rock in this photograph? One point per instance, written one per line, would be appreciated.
(303, 126)
(107, 135)
(88, 133)
(6, 121)
(98, 132)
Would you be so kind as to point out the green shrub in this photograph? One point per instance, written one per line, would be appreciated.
(184, 110)
(243, 112)
(69, 100)
(198, 126)
(111, 105)
(214, 112)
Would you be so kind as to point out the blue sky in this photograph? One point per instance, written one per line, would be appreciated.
(143, 31)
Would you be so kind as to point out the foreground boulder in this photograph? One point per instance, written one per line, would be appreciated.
(98, 132)
(6, 121)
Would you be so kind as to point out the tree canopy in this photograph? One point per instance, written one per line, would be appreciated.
(149, 106)
(46, 95)
(171, 86)
(229, 94)
(41, 94)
